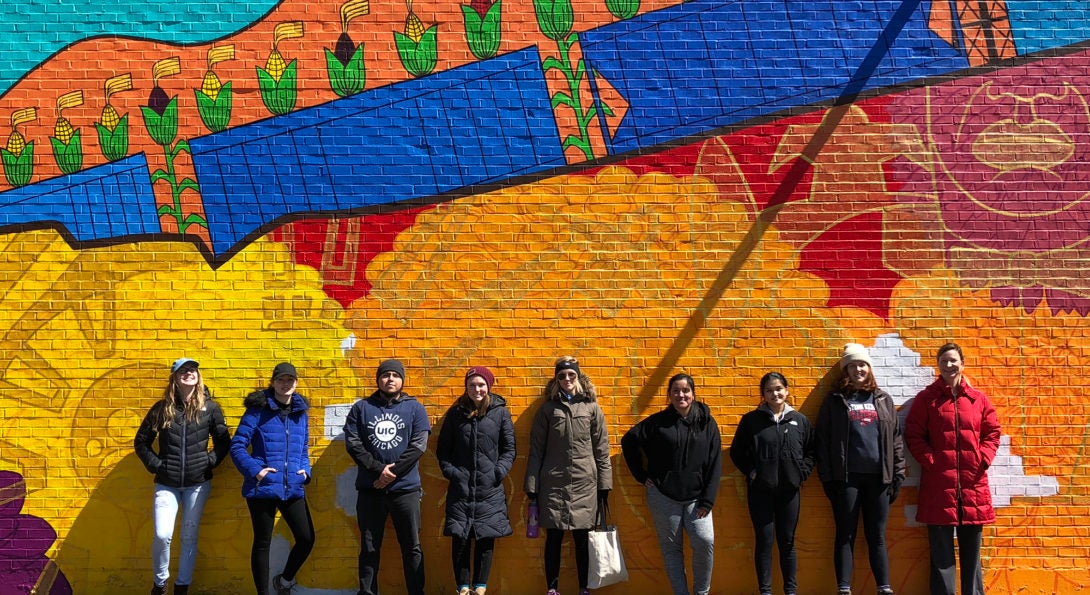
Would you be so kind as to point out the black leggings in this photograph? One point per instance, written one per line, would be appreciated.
(775, 515)
(482, 559)
(553, 539)
(263, 515)
(863, 492)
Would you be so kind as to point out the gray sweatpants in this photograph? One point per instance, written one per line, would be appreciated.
(672, 520)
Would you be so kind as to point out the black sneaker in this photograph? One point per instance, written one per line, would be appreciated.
(181, 589)
(158, 589)
(279, 588)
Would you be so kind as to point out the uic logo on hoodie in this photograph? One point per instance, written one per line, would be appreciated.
(385, 431)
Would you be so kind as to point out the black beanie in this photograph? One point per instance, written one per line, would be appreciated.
(391, 365)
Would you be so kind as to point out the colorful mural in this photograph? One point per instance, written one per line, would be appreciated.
(715, 186)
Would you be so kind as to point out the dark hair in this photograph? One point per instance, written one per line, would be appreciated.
(681, 376)
(950, 347)
(770, 377)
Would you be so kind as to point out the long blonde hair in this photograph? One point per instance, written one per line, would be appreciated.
(167, 410)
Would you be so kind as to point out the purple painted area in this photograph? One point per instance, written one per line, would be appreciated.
(1008, 159)
(24, 541)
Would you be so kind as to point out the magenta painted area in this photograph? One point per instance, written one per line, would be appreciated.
(24, 541)
(1009, 154)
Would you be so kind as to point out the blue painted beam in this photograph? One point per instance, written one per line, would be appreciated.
(707, 64)
(477, 124)
(100, 204)
(685, 70)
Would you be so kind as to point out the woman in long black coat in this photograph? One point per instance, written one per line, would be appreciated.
(476, 450)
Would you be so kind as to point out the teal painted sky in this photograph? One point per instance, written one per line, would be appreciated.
(1043, 24)
(33, 30)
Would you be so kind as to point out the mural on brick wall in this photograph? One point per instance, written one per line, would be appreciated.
(714, 186)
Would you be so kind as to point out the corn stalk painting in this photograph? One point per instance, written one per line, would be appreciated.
(161, 120)
(113, 130)
(623, 9)
(214, 97)
(277, 80)
(18, 156)
(67, 146)
(345, 63)
(555, 19)
(482, 22)
(417, 47)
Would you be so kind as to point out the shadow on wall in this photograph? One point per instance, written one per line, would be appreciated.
(108, 547)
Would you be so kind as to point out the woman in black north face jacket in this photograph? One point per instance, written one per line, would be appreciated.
(773, 448)
(183, 421)
(476, 449)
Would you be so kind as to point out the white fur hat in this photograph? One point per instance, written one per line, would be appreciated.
(854, 352)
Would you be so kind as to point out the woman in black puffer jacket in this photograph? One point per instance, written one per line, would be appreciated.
(183, 421)
(476, 450)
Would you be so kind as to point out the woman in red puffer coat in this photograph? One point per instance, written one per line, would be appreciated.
(953, 432)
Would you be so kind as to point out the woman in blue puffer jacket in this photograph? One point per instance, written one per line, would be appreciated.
(271, 450)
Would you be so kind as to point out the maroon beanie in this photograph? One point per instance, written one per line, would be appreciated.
(484, 373)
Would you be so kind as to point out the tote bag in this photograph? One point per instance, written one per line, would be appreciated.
(606, 560)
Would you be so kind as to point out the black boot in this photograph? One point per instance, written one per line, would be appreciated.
(181, 589)
(158, 589)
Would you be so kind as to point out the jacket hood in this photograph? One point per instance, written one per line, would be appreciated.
(264, 398)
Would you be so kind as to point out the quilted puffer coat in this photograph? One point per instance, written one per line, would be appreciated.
(475, 455)
(182, 457)
(271, 435)
(955, 440)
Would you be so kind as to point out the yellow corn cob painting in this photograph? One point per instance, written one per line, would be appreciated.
(16, 142)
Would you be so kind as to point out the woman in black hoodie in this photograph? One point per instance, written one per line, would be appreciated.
(677, 454)
(773, 448)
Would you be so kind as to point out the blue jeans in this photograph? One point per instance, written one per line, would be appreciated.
(672, 520)
(191, 500)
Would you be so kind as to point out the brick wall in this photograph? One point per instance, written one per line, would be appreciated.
(724, 188)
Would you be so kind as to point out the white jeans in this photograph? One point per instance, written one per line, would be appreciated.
(672, 520)
(191, 500)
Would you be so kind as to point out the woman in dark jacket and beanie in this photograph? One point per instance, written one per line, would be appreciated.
(676, 454)
(271, 449)
(183, 420)
(953, 431)
(568, 469)
(476, 449)
(773, 448)
(861, 462)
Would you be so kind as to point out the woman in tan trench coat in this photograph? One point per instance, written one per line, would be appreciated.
(568, 470)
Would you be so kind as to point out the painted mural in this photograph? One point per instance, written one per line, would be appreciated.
(724, 187)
